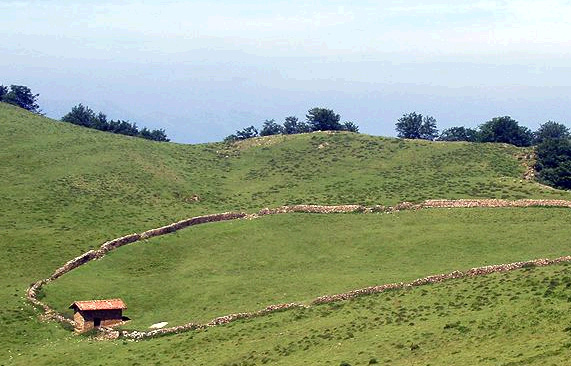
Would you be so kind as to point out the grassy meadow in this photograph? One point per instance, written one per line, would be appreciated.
(216, 269)
(66, 189)
(515, 318)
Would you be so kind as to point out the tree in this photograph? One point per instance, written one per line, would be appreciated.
(84, 116)
(505, 129)
(350, 126)
(3, 91)
(23, 97)
(322, 119)
(99, 122)
(270, 127)
(159, 135)
(554, 162)
(292, 126)
(415, 126)
(551, 130)
(247, 133)
(459, 134)
(428, 130)
(231, 138)
(81, 115)
(154, 135)
(124, 128)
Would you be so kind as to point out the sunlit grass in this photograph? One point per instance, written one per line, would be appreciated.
(66, 189)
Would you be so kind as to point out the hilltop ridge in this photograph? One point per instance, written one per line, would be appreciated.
(65, 189)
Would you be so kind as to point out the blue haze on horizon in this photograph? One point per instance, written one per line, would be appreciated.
(202, 70)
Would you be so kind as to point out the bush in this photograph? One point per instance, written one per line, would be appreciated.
(415, 126)
(84, 116)
(505, 129)
(322, 119)
(551, 130)
(20, 96)
(270, 127)
(554, 162)
(459, 134)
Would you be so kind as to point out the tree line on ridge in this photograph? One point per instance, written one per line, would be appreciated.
(552, 139)
(317, 119)
(22, 96)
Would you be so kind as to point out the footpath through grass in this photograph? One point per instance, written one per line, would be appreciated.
(216, 269)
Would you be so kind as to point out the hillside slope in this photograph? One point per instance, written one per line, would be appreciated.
(65, 189)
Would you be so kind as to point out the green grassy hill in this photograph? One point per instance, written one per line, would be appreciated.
(66, 189)
(230, 267)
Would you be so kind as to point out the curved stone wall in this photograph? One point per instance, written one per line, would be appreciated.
(49, 313)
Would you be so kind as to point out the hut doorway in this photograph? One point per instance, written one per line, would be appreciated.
(97, 313)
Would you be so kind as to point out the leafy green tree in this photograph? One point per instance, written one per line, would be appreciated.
(3, 91)
(247, 133)
(154, 135)
(554, 162)
(145, 133)
(81, 115)
(415, 126)
(124, 128)
(231, 138)
(270, 127)
(551, 130)
(350, 126)
(460, 133)
(99, 122)
(505, 129)
(84, 116)
(159, 135)
(23, 97)
(322, 119)
(292, 125)
(428, 130)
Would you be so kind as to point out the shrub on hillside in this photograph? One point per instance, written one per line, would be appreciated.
(554, 162)
(270, 127)
(293, 125)
(551, 130)
(21, 96)
(459, 134)
(318, 119)
(84, 116)
(415, 126)
(505, 129)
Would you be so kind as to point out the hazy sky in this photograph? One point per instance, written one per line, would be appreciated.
(202, 70)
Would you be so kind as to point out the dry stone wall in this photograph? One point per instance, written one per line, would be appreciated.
(51, 314)
(466, 203)
(478, 271)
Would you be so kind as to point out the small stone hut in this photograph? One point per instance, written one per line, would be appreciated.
(97, 313)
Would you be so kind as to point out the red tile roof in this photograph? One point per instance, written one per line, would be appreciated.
(99, 304)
